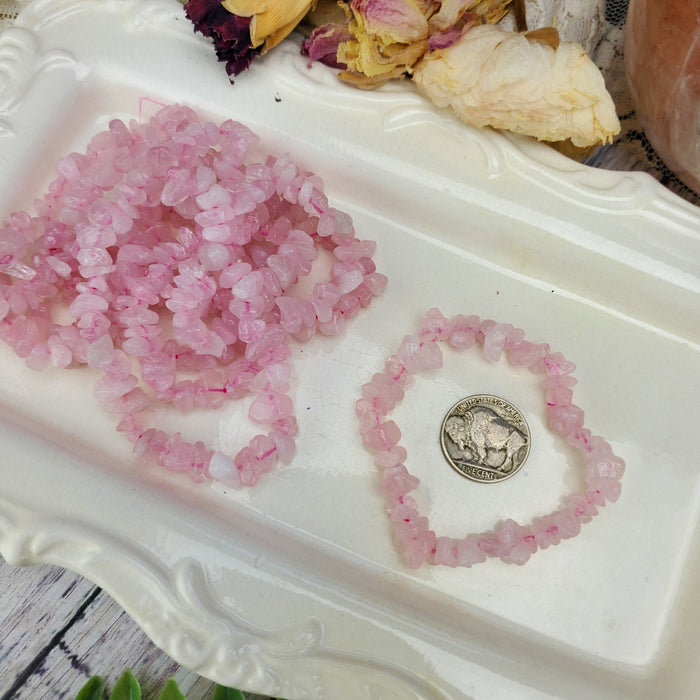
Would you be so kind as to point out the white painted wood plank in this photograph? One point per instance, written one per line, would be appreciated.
(35, 604)
(58, 629)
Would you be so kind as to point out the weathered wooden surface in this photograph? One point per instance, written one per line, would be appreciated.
(57, 629)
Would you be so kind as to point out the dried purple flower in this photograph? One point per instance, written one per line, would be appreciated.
(230, 32)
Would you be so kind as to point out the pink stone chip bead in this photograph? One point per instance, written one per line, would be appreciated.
(509, 541)
(177, 254)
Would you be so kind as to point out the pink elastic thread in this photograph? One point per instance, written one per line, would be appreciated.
(509, 541)
(177, 256)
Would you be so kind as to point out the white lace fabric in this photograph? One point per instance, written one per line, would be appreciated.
(9, 9)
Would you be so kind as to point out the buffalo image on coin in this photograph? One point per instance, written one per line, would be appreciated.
(485, 438)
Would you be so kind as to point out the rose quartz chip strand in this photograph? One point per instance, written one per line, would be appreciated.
(511, 542)
(177, 257)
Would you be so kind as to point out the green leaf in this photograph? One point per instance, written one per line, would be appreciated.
(221, 693)
(126, 688)
(171, 692)
(94, 689)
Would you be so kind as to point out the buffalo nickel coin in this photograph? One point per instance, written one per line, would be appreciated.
(485, 438)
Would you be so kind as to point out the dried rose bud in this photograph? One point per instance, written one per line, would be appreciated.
(380, 40)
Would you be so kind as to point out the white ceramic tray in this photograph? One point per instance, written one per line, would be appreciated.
(293, 588)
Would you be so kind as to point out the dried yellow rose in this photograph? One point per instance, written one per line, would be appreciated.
(380, 50)
(271, 20)
(386, 39)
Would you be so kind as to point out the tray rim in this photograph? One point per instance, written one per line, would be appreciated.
(29, 536)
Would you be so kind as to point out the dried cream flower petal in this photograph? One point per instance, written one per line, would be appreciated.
(491, 77)
(448, 14)
(490, 11)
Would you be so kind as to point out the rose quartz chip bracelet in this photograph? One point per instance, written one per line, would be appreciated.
(177, 255)
(510, 541)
